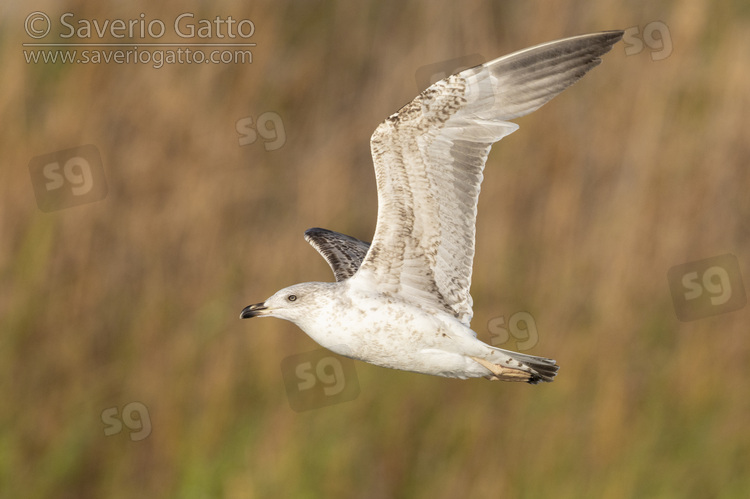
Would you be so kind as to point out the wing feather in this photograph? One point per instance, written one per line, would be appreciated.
(429, 158)
(343, 253)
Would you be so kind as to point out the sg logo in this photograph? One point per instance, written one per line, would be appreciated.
(68, 178)
(273, 137)
(319, 378)
(432, 73)
(521, 326)
(655, 35)
(134, 415)
(706, 287)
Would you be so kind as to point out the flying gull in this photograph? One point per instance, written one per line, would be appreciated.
(403, 301)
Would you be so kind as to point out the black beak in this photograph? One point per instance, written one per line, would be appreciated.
(253, 310)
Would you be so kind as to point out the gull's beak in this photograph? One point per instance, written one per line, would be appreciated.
(253, 310)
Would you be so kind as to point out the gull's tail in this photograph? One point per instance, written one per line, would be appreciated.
(516, 366)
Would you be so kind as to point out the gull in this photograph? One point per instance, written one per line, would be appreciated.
(403, 302)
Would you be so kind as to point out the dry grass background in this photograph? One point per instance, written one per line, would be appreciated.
(641, 166)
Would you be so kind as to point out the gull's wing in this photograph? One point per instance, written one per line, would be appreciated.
(343, 253)
(429, 158)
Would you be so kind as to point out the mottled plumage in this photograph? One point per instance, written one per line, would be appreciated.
(343, 253)
(404, 301)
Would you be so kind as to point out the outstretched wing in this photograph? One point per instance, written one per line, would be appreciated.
(343, 253)
(429, 158)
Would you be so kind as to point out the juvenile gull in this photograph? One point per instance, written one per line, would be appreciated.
(403, 301)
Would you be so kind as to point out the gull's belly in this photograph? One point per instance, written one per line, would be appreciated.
(399, 336)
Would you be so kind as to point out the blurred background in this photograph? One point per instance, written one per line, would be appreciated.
(126, 372)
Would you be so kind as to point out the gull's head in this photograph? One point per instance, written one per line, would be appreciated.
(293, 303)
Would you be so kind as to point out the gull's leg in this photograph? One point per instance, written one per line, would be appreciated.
(500, 373)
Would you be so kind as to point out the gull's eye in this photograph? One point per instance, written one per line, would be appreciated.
(291, 297)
